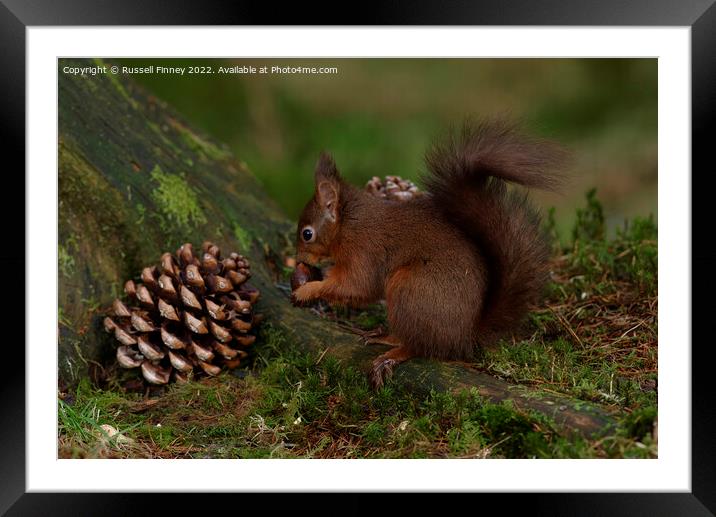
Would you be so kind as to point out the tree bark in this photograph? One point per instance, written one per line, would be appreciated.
(135, 180)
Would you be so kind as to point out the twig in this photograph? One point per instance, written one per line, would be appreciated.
(566, 325)
(321, 356)
(627, 332)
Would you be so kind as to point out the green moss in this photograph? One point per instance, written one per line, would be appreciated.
(631, 256)
(168, 147)
(201, 145)
(62, 318)
(639, 254)
(640, 423)
(590, 220)
(162, 436)
(176, 200)
(66, 261)
(91, 215)
(141, 211)
(243, 236)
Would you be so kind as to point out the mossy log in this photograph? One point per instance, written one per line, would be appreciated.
(135, 180)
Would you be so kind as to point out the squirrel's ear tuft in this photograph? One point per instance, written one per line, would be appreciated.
(328, 185)
(326, 169)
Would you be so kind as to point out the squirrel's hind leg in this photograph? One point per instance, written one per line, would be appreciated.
(384, 365)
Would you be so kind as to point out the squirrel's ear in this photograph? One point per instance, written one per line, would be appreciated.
(327, 197)
(327, 185)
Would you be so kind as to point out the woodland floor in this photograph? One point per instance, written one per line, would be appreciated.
(594, 340)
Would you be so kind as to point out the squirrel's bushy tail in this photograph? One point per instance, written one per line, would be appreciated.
(467, 178)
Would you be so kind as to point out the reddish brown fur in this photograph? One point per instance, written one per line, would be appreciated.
(456, 267)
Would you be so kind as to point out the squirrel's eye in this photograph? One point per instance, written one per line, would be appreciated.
(307, 234)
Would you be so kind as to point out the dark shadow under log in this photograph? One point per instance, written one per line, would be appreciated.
(135, 180)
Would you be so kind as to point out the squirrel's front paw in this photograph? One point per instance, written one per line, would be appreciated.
(307, 292)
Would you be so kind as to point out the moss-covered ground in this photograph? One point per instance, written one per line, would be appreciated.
(595, 340)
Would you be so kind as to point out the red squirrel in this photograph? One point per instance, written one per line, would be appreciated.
(458, 267)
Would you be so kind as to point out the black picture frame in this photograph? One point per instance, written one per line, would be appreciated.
(699, 15)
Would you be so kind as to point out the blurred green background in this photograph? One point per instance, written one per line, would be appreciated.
(377, 116)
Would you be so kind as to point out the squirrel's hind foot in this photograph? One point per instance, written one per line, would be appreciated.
(384, 365)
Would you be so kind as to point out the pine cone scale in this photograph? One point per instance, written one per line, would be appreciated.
(149, 349)
(123, 336)
(153, 374)
(168, 311)
(128, 358)
(171, 340)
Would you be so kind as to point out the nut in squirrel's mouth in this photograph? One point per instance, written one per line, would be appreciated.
(304, 273)
(323, 263)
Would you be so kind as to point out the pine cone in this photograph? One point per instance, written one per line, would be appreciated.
(194, 315)
(394, 187)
